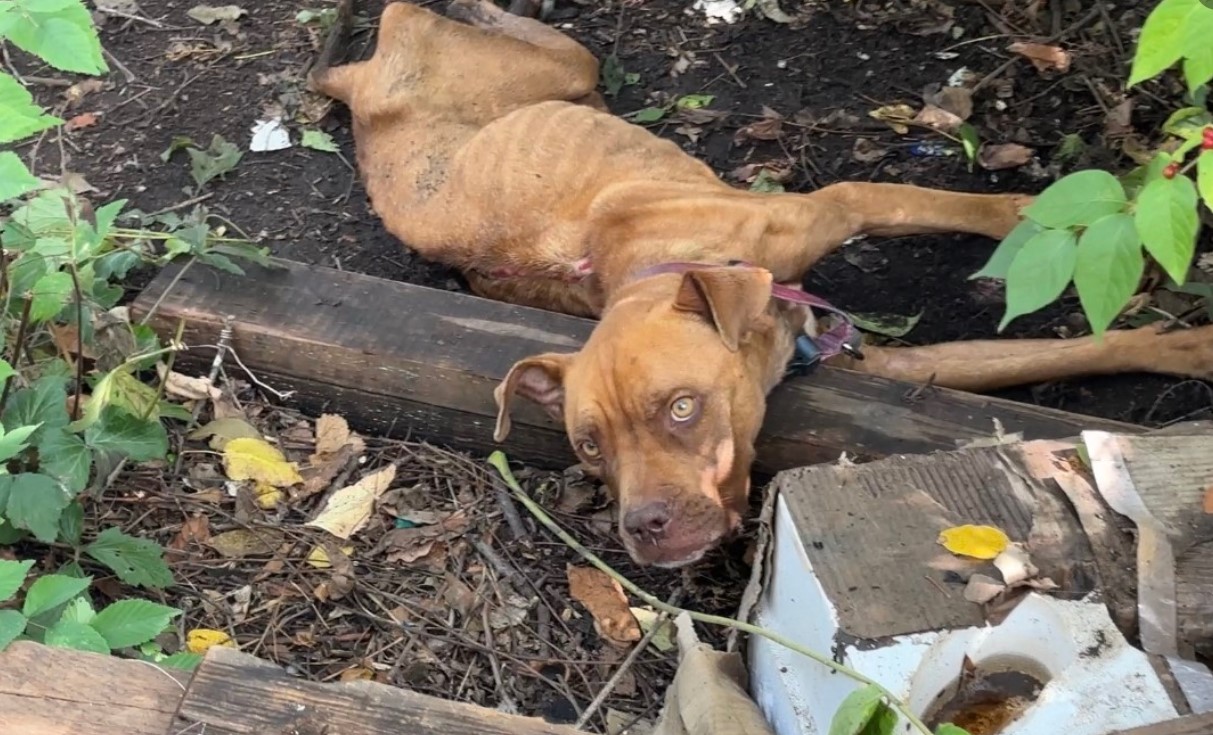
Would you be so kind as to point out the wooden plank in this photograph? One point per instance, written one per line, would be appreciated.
(1190, 725)
(238, 693)
(396, 358)
(53, 691)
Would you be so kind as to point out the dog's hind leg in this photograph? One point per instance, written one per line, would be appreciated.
(994, 364)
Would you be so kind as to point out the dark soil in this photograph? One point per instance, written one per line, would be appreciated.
(823, 74)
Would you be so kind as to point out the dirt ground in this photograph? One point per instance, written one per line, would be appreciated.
(822, 75)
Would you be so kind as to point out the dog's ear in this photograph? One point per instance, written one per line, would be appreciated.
(539, 378)
(732, 299)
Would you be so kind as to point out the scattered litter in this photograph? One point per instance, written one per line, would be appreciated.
(931, 150)
(270, 135)
(719, 11)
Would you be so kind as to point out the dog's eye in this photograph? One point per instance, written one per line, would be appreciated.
(683, 408)
(589, 449)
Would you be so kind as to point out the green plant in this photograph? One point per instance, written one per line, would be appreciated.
(64, 430)
(1095, 229)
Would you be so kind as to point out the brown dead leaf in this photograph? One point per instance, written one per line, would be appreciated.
(1208, 500)
(332, 433)
(981, 589)
(1004, 156)
(938, 118)
(195, 529)
(956, 100)
(78, 91)
(66, 339)
(1043, 57)
(777, 171)
(603, 597)
(895, 116)
(700, 115)
(1120, 119)
(186, 387)
(459, 597)
(83, 120)
(770, 127)
(410, 544)
(349, 509)
(865, 151)
(245, 542)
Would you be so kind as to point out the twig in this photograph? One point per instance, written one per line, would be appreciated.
(71, 269)
(130, 75)
(168, 370)
(507, 703)
(627, 663)
(499, 462)
(167, 290)
(21, 327)
(131, 16)
(499, 565)
(510, 511)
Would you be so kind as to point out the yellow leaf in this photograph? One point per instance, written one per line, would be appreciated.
(348, 509)
(248, 458)
(978, 542)
(268, 496)
(663, 639)
(199, 640)
(319, 558)
(222, 431)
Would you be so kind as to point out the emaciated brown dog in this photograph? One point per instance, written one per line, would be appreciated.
(484, 146)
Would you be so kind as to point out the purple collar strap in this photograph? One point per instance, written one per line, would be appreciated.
(841, 338)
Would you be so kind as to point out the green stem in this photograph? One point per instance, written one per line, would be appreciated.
(501, 464)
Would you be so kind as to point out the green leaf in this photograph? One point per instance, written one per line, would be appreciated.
(134, 396)
(948, 728)
(65, 39)
(50, 591)
(1134, 181)
(1161, 42)
(319, 140)
(694, 101)
(1204, 177)
(35, 503)
(19, 116)
(178, 142)
(50, 293)
(856, 711)
(220, 262)
(13, 442)
(131, 622)
(64, 456)
(648, 114)
(124, 435)
(98, 401)
(6, 370)
(106, 216)
(182, 660)
(77, 636)
(1187, 123)
(1000, 261)
(765, 182)
(884, 722)
(1198, 68)
(1079, 198)
(136, 561)
(15, 178)
(71, 523)
(12, 576)
(1108, 268)
(220, 158)
(79, 610)
(1167, 222)
(47, 213)
(44, 402)
(890, 325)
(971, 142)
(611, 75)
(1039, 273)
(12, 625)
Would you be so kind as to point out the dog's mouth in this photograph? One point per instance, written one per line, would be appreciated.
(676, 553)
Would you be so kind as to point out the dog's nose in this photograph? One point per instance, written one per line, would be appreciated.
(648, 522)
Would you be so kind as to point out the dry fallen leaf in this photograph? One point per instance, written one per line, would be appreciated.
(1015, 565)
(895, 116)
(865, 151)
(248, 458)
(770, 127)
(186, 387)
(83, 120)
(348, 509)
(956, 100)
(1208, 500)
(663, 639)
(407, 545)
(268, 497)
(332, 433)
(200, 640)
(978, 542)
(356, 673)
(195, 529)
(1003, 156)
(208, 14)
(603, 597)
(938, 118)
(1044, 58)
(319, 556)
(244, 542)
(78, 91)
(222, 431)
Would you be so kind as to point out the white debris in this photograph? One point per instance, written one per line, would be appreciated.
(270, 135)
(717, 11)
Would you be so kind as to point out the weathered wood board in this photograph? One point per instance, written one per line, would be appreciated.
(233, 692)
(53, 691)
(399, 359)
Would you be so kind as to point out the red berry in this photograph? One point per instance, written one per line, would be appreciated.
(1170, 171)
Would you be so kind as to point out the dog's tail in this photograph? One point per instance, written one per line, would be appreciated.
(323, 77)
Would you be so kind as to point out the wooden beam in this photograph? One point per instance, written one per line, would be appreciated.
(54, 691)
(399, 359)
(237, 693)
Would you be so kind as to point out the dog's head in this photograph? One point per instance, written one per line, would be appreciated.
(664, 402)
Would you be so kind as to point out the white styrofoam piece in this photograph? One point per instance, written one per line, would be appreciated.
(1097, 682)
